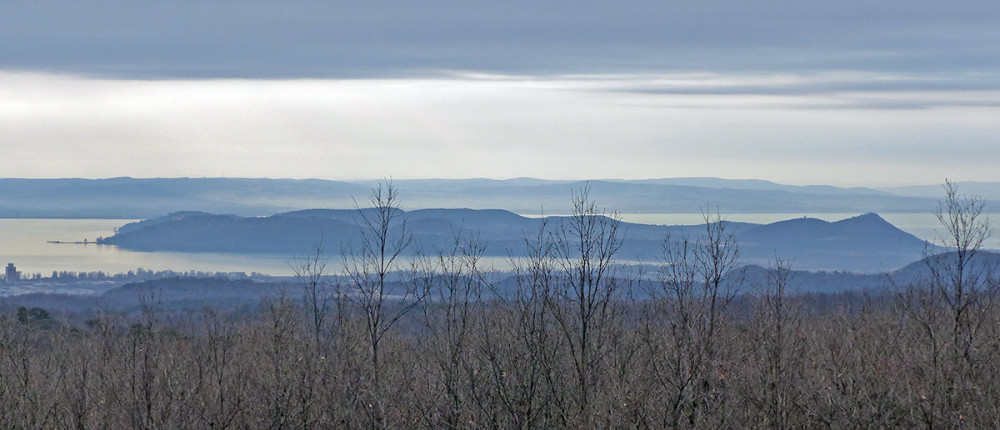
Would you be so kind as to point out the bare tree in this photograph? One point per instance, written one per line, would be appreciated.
(778, 351)
(518, 346)
(454, 279)
(310, 270)
(583, 304)
(281, 353)
(224, 376)
(951, 304)
(370, 264)
(967, 285)
(684, 318)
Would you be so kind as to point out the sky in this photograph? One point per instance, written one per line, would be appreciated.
(841, 93)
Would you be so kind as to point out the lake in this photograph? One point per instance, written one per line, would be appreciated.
(24, 242)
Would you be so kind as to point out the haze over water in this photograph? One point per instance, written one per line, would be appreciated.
(24, 242)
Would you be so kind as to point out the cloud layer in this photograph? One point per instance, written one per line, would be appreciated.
(320, 39)
(788, 128)
(849, 92)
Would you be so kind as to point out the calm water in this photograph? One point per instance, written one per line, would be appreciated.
(24, 243)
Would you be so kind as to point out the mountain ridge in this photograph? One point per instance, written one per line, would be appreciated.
(865, 243)
(132, 198)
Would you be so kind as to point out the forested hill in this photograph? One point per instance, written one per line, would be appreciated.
(866, 243)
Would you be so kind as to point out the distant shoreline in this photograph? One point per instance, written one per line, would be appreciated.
(70, 242)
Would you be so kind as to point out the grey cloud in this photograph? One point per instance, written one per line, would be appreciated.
(184, 38)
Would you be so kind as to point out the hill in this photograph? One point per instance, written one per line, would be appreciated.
(145, 198)
(866, 243)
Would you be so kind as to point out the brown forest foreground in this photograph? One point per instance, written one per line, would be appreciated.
(573, 343)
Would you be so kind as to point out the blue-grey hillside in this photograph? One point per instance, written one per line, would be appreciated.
(658, 196)
(866, 243)
(146, 198)
(986, 190)
(976, 269)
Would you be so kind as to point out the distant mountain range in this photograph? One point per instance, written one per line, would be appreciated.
(147, 198)
(866, 243)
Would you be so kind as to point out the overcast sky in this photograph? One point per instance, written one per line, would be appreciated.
(844, 93)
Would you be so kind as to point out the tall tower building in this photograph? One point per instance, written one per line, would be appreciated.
(12, 273)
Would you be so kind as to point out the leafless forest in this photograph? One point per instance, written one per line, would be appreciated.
(569, 341)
